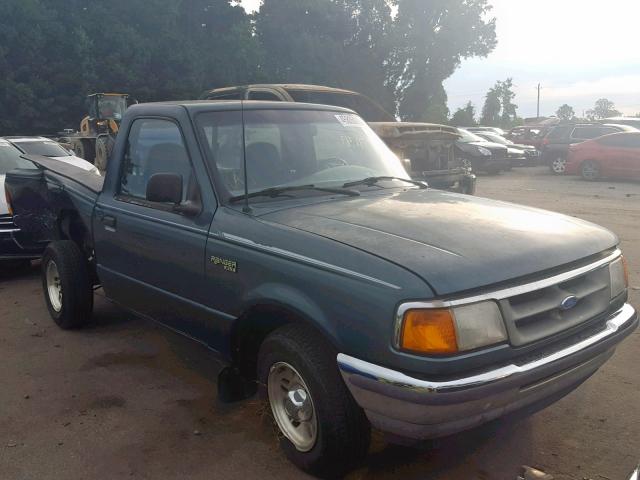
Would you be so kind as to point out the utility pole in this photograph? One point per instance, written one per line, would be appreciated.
(538, 114)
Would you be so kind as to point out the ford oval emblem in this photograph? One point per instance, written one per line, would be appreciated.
(569, 302)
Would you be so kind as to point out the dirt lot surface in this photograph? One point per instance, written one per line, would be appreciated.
(126, 399)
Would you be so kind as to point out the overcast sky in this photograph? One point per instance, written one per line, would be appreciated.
(579, 50)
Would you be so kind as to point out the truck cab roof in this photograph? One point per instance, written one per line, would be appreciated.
(201, 105)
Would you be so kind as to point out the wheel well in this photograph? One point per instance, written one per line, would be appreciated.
(252, 328)
(71, 227)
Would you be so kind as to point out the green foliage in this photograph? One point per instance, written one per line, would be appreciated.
(342, 43)
(492, 107)
(464, 117)
(604, 108)
(566, 112)
(499, 109)
(54, 53)
(431, 38)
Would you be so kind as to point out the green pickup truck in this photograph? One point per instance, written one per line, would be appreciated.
(290, 240)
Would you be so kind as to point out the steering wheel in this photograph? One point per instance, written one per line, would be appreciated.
(332, 162)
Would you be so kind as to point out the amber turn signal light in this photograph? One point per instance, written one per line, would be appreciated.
(8, 200)
(625, 268)
(430, 331)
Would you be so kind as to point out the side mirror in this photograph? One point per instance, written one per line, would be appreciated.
(165, 188)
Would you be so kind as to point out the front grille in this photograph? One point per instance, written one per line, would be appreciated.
(6, 225)
(498, 154)
(535, 315)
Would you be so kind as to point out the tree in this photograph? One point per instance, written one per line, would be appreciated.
(499, 109)
(604, 108)
(465, 116)
(492, 108)
(52, 54)
(565, 112)
(506, 100)
(342, 43)
(431, 37)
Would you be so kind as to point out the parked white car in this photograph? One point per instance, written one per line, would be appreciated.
(50, 148)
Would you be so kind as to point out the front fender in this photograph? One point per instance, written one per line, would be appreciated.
(294, 301)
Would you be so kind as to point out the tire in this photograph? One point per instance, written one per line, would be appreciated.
(67, 286)
(558, 165)
(102, 153)
(590, 170)
(85, 149)
(342, 431)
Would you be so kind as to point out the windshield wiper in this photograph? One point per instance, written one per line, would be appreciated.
(274, 192)
(371, 181)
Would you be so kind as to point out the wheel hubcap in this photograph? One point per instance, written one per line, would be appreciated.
(559, 165)
(292, 406)
(54, 287)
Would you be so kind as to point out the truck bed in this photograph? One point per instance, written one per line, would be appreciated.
(42, 198)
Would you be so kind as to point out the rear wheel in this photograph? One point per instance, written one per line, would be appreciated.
(66, 283)
(323, 431)
(590, 170)
(102, 153)
(558, 165)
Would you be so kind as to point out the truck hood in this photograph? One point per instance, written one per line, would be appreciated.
(413, 131)
(454, 242)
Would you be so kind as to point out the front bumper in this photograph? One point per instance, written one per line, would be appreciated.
(419, 409)
(12, 248)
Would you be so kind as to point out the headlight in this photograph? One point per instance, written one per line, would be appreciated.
(514, 153)
(619, 277)
(441, 331)
(484, 151)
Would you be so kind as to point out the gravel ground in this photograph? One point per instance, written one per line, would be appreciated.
(126, 399)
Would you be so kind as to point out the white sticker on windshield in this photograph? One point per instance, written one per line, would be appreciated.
(349, 120)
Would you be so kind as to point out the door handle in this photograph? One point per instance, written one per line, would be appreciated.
(109, 222)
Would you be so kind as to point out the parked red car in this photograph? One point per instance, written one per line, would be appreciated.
(614, 155)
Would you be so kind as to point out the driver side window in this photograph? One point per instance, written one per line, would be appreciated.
(155, 146)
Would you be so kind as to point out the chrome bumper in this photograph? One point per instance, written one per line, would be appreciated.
(415, 408)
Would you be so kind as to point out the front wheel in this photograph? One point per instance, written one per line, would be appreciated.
(323, 431)
(558, 165)
(590, 170)
(67, 285)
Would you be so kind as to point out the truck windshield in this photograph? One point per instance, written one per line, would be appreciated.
(112, 107)
(10, 159)
(288, 148)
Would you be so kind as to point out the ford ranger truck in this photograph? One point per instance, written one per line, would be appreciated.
(291, 241)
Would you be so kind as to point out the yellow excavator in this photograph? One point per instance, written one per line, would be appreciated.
(98, 129)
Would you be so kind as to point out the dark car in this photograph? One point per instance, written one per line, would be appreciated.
(615, 155)
(518, 155)
(480, 154)
(496, 130)
(15, 247)
(290, 240)
(426, 148)
(555, 146)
